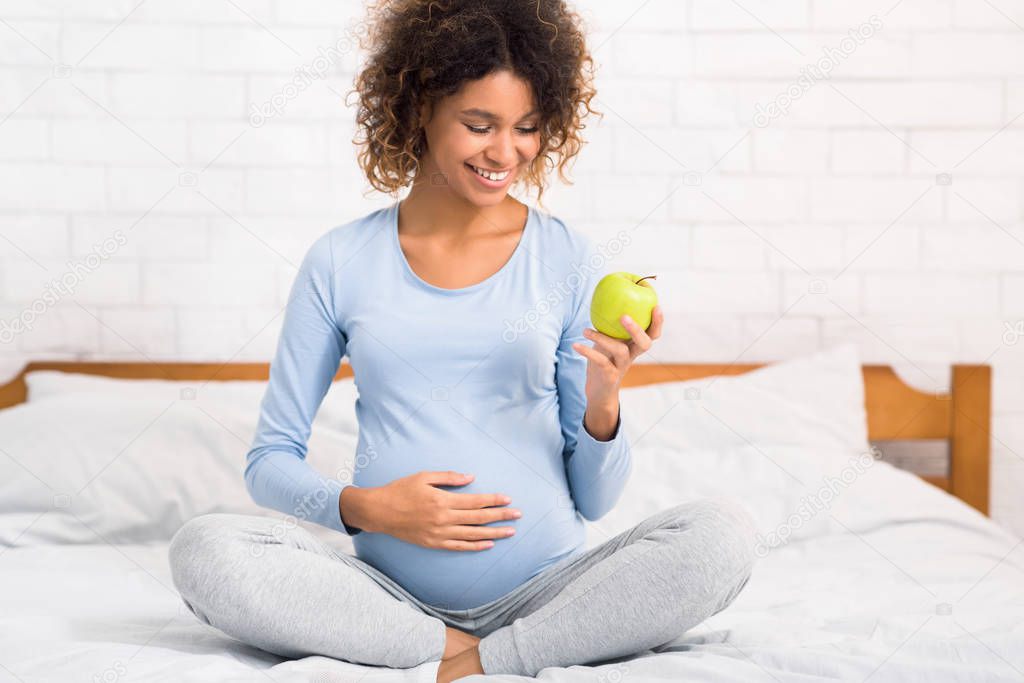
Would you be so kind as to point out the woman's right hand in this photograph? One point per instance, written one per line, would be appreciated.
(414, 510)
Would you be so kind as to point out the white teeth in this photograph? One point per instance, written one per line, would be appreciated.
(489, 175)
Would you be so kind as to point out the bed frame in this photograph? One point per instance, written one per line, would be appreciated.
(957, 420)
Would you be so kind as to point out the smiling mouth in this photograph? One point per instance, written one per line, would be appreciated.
(496, 176)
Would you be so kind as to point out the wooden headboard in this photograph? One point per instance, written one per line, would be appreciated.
(897, 413)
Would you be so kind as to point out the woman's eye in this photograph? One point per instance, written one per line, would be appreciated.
(484, 130)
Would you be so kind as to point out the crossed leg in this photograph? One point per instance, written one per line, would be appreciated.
(642, 588)
(290, 594)
(282, 590)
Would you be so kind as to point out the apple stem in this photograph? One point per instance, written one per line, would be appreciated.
(652, 277)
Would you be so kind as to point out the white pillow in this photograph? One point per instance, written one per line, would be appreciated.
(337, 410)
(767, 438)
(88, 467)
(749, 437)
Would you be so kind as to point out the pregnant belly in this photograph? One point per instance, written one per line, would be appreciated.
(549, 530)
(456, 579)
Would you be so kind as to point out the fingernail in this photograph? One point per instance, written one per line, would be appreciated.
(517, 514)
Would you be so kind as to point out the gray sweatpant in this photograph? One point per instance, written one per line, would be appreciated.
(278, 588)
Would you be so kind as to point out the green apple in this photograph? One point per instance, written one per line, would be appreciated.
(619, 294)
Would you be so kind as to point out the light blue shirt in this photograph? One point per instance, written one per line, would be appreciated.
(481, 380)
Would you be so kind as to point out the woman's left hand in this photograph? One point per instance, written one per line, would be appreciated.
(610, 358)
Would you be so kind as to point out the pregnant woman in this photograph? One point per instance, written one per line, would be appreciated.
(488, 429)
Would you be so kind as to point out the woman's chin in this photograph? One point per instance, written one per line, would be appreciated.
(485, 199)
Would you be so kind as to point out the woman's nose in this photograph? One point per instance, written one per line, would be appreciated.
(503, 151)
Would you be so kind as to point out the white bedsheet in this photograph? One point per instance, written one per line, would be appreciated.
(931, 592)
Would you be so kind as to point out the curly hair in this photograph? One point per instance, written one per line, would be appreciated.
(423, 50)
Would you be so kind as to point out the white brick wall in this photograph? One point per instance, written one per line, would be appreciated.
(137, 120)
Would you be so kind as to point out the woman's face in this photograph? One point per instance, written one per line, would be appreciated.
(489, 124)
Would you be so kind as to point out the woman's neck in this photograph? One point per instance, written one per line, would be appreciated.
(429, 210)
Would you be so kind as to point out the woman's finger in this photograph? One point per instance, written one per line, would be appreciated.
(466, 532)
(614, 348)
(594, 355)
(657, 319)
(465, 545)
(640, 337)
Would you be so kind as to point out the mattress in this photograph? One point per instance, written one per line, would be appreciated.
(933, 596)
(888, 578)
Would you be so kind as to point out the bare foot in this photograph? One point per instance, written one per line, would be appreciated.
(457, 641)
(466, 663)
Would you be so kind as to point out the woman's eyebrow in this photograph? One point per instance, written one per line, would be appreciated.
(490, 116)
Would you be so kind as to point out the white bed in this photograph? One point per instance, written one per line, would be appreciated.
(895, 580)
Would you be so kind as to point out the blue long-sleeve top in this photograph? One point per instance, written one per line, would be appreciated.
(482, 379)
